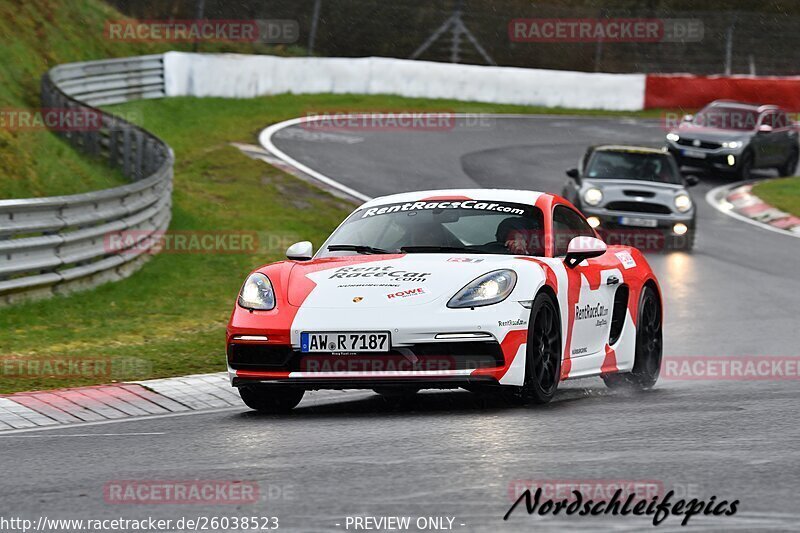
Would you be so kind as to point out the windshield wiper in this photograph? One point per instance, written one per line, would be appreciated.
(435, 249)
(359, 248)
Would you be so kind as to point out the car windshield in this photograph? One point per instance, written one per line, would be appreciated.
(642, 166)
(461, 226)
(727, 118)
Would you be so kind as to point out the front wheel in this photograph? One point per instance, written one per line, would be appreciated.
(745, 169)
(543, 355)
(649, 344)
(274, 399)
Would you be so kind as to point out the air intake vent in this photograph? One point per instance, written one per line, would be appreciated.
(640, 194)
(618, 314)
(639, 207)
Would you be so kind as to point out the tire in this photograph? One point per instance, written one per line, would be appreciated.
(543, 355)
(649, 346)
(789, 168)
(271, 400)
(746, 166)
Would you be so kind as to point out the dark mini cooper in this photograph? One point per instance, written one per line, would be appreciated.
(736, 137)
(634, 196)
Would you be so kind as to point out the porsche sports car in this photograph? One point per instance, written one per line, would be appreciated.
(504, 291)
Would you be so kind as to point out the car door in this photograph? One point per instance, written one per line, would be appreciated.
(786, 137)
(591, 315)
(767, 144)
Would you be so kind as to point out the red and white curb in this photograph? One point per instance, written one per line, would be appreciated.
(119, 402)
(738, 201)
(24, 410)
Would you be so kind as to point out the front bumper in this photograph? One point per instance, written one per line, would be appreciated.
(645, 238)
(418, 354)
(726, 159)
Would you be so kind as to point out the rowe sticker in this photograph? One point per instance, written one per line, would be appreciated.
(405, 293)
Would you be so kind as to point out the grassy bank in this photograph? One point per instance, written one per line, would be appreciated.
(37, 35)
(782, 193)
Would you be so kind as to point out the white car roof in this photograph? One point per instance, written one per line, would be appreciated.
(495, 195)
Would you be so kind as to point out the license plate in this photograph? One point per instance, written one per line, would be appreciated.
(694, 155)
(350, 341)
(640, 222)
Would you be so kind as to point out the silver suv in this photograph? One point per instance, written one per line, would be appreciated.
(635, 196)
(735, 137)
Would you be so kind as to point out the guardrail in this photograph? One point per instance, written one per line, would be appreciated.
(60, 244)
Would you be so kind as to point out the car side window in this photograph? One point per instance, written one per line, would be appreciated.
(768, 119)
(781, 120)
(567, 224)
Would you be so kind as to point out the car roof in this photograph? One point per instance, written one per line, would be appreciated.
(496, 195)
(742, 105)
(629, 149)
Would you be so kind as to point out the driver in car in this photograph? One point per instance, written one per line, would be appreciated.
(521, 235)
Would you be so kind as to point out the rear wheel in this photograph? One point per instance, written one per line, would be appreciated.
(272, 399)
(649, 346)
(789, 168)
(543, 355)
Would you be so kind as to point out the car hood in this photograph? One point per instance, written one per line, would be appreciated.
(630, 186)
(387, 281)
(711, 134)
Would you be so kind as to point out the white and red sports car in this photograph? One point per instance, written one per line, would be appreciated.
(489, 290)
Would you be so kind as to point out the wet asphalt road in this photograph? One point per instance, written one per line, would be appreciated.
(456, 455)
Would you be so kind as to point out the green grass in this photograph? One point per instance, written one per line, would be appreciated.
(169, 318)
(783, 193)
(37, 35)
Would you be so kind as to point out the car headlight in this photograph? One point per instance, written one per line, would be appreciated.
(683, 203)
(732, 144)
(257, 293)
(488, 289)
(674, 137)
(593, 196)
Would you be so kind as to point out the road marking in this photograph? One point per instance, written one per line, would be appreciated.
(122, 420)
(265, 139)
(5, 436)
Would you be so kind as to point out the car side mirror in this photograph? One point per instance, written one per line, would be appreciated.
(687, 118)
(692, 180)
(300, 251)
(581, 248)
(574, 174)
(765, 128)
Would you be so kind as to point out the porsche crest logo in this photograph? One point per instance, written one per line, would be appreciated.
(357, 299)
